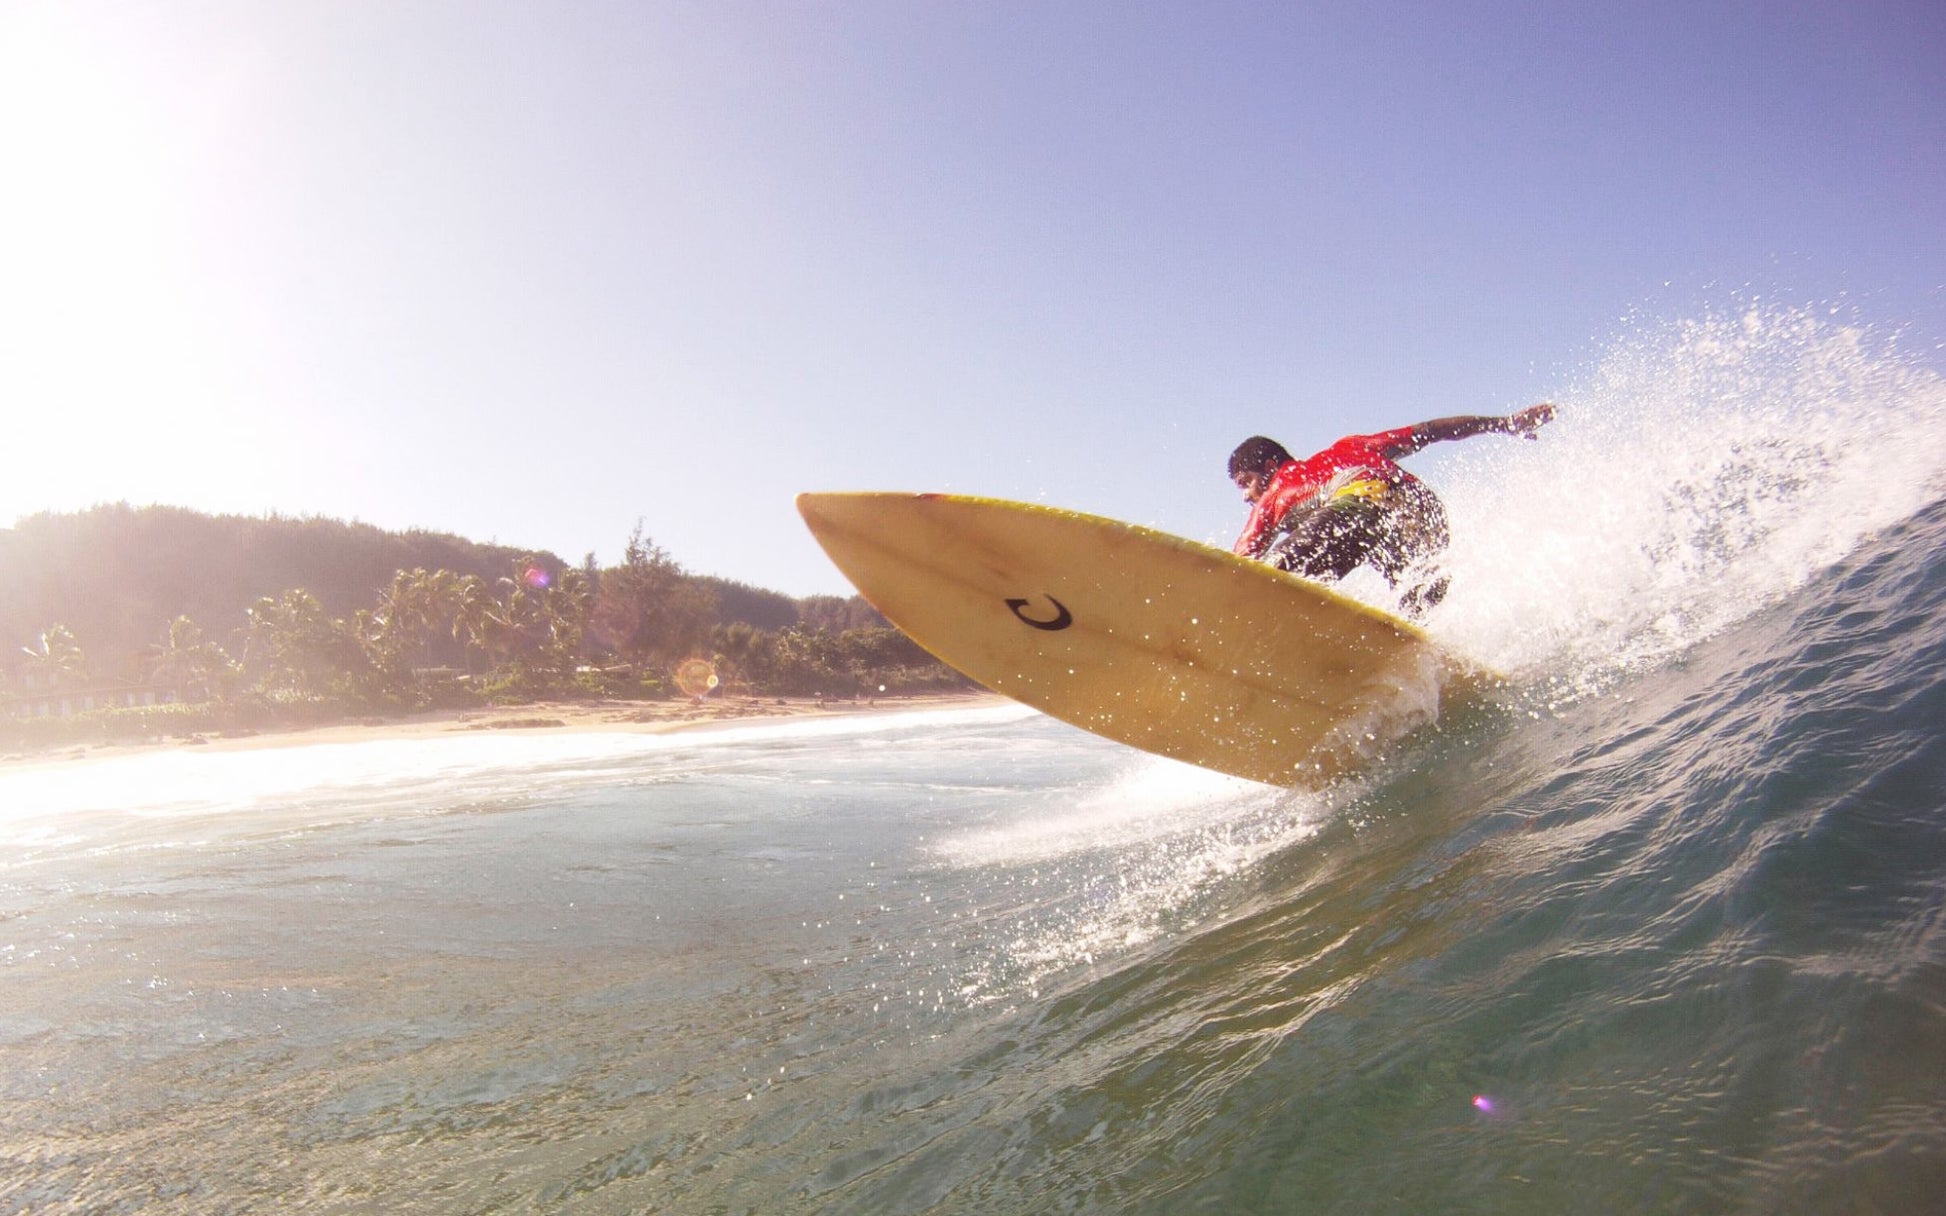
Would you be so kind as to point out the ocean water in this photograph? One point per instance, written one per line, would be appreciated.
(1660, 928)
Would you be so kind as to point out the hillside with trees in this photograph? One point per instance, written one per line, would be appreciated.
(238, 620)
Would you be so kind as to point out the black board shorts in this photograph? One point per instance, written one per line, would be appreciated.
(1391, 532)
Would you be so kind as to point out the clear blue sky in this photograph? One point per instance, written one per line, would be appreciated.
(527, 272)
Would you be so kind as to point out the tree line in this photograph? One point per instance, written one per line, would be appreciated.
(444, 637)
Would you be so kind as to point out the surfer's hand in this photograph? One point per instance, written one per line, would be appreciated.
(1530, 420)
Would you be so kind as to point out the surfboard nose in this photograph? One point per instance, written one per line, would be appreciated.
(834, 515)
(827, 510)
(815, 508)
(846, 524)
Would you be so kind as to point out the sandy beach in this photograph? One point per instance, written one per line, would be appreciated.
(638, 717)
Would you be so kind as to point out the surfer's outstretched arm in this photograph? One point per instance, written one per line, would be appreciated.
(1526, 423)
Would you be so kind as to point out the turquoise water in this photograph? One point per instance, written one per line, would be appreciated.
(1661, 929)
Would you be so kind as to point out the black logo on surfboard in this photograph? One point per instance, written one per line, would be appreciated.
(1061, 619)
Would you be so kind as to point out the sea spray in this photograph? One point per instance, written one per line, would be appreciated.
(1699, 471)
(1152, 848)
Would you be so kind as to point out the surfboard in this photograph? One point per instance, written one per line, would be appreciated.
(1148, 639)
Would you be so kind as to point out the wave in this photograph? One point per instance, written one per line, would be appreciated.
(1699, 472)
(67, 803)
(1664, 929)
(1675, 946)
(1702, 474)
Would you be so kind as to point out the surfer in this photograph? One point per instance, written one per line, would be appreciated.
(1352, 505)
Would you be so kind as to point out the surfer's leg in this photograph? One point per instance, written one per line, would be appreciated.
(1424, 595)
(1329, 541)
(1415, 535)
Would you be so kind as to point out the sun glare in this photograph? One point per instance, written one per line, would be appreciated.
(101, 330)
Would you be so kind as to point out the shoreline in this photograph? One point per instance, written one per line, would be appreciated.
(541, 717)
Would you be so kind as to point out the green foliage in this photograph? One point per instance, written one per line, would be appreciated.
(338, 639)
(191, 668)
(144, 723)
(116, 725)
(830, 614)
(116, 574)
(802, 662)
(56, 658)
(649, 609)
(753, 606)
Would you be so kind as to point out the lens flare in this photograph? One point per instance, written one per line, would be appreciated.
(536, 578)
(1483, 1104)
(697, 678)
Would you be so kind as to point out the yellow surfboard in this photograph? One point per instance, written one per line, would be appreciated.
(1145, 638)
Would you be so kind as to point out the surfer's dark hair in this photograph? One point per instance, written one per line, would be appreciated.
(1257, 455)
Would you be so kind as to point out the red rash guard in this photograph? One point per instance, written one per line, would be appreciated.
(1299, 481)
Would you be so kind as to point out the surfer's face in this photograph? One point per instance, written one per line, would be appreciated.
(1252, 485)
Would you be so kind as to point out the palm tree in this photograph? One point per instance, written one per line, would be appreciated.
(56, 658)
(469, 608)
(566, 607)
(417, 603)
(300, 650)
(189, 666)
(501, 622)
(439, 600)
(399, 611)
(739, 647)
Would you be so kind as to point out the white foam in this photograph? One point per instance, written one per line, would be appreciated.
(1149, 796)
(1698, 472)
(1121, 864)
(41, 803)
